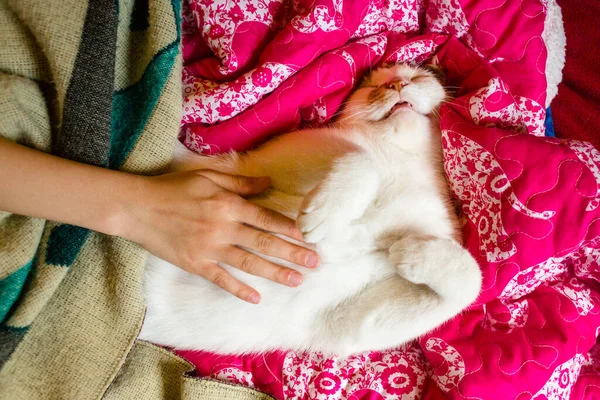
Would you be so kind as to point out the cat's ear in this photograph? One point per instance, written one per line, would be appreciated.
(436, 70)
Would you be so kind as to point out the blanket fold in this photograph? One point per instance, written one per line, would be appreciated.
(529, 203)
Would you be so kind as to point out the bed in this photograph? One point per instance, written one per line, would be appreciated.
(529, 203)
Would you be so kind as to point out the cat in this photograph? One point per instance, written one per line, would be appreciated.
(369, 192)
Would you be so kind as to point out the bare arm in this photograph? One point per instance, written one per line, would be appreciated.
(192, 219)
(40, 185)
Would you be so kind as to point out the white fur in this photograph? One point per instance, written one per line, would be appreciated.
(369, 191)
(555, 41)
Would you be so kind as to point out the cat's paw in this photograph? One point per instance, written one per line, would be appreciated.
(317, 216)
(408, 255)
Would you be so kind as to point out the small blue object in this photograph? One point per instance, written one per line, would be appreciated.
(549, 123)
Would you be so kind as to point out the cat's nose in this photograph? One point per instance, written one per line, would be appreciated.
(397, 85)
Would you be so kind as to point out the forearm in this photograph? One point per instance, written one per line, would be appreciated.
(40, 185)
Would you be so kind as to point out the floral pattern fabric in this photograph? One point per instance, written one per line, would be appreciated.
(529, 204)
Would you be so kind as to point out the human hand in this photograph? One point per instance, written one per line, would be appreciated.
(195, 219)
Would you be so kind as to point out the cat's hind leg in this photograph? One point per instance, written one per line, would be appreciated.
(443, 265)
(436, 279)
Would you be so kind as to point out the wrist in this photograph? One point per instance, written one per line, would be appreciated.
(123, 211)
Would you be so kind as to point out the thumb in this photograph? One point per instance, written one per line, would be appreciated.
(242, 185)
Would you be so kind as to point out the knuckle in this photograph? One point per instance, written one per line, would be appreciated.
(211, 229)
(199, 268)
(224, 204)
(247, 263)
(265, 218)
(191, 261)
(220, 195)
(220, 279)
(186, 258)
(241, 184)
(197, 176)
(198, 184)
(190, 266)
(264, 242)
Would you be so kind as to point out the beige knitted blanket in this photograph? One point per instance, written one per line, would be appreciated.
(96, 81)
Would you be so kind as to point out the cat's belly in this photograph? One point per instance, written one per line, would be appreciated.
(188, 312)
(415, 213)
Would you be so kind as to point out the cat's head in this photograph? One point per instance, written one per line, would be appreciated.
(402, 87)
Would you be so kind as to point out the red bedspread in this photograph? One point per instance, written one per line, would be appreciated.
(531, 211)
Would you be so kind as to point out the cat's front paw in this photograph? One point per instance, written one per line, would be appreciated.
(317, 216)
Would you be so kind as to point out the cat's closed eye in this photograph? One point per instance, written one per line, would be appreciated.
(420, 78)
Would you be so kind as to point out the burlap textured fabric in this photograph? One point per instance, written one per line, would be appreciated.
(97, 81)
(153, 373)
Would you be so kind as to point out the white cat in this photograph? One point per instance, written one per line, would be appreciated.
(370, 192)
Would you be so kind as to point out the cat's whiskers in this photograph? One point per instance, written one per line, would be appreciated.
(452, 103)
(343, 107)
(361, 107)
(351, 102)
(359, 114)
(355, 107)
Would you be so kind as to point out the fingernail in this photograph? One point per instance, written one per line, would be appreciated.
(264, 180)
(294, 279)
(254, 298)
(312, 260)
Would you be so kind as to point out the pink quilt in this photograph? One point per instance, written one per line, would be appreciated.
(256, 68)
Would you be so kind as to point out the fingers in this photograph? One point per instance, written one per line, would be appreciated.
(242, 185)
(268, 220)
(271, 245)
(255, 265)
(224, 280)
(250, 213)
